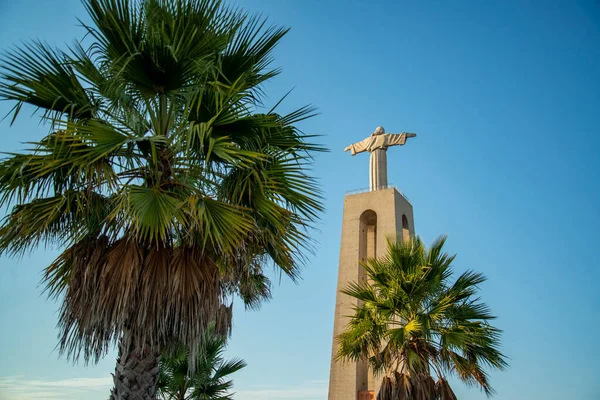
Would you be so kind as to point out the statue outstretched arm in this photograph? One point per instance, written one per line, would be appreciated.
(359, 147)
(394, 139)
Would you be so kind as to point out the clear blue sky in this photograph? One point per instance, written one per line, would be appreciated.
(505, 99)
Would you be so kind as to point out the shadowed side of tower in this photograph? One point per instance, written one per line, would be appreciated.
(369, 220)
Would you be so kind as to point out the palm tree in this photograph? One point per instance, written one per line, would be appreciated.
(162, 181)
(207, 381)
(413, 324)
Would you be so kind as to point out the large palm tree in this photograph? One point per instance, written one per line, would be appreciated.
(208, 380)
(165, 187)
(415, 327)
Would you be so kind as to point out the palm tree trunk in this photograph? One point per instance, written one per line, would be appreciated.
(136, 373)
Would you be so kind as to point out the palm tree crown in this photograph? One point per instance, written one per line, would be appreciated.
(413, 323)
(167, 189)
(208, 379)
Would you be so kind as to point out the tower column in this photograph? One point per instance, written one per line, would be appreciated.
(369, 220)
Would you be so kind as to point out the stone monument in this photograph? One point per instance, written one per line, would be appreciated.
(370, 218)
(377, 145)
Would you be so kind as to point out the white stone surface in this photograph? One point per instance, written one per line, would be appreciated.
(377, 144)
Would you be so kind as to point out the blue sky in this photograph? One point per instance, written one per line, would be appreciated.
(504, 97)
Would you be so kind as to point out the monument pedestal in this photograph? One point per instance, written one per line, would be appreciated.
(370, 219)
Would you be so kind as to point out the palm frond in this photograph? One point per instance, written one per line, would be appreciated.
(57, 220)
(415, 322)
(206, 378)
(41, 76)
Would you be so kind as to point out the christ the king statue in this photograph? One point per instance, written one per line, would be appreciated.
(377, 145)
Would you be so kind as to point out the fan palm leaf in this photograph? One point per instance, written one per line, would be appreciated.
(414, 324)
(207, 380)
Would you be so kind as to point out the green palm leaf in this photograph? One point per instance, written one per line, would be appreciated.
(206, 379)
(41, 76)
(414, 323)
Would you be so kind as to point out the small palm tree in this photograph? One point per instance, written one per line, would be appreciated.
(166, 185)
(415, 327)
(206, 381)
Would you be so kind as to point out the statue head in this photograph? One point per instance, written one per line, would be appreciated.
(378, 131)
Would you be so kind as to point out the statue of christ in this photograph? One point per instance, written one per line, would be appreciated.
(377, 145)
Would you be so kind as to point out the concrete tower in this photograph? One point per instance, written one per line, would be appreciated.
(370, 219)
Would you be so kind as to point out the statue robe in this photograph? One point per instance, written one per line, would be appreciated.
(377, 145)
